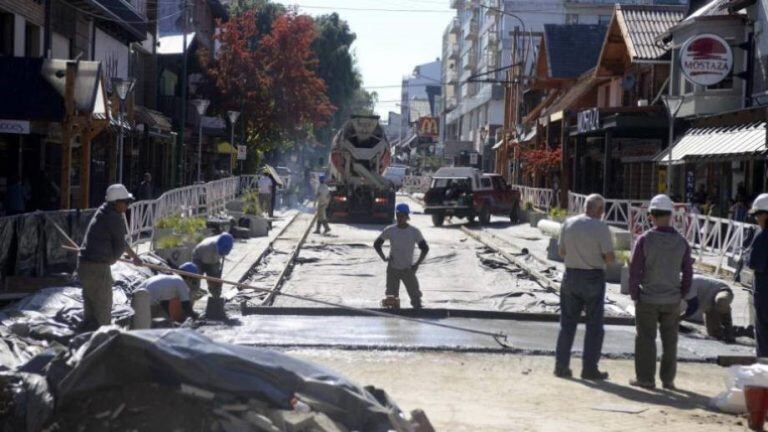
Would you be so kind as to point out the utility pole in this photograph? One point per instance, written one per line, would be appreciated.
(180, 159)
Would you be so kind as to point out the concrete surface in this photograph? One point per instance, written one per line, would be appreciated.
(494, 393)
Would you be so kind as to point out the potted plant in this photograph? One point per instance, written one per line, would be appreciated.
(534, 216)
(172, 249)
(253, 216)
(623, 258)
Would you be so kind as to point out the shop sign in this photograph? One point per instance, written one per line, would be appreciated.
(690, 185)
(588, 120)
(242, 151)
(429, 127)
(19, 127)
(706, 59)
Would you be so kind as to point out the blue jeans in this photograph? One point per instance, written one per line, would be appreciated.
(581, 290)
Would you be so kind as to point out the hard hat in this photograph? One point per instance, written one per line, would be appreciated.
(760, 204)
(403, 208)
(662, 203)
(118, 192)
(189, 267)
(224, 244)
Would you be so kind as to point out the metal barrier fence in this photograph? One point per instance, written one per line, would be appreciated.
(540, 198)
(617, 212)
(709, 237)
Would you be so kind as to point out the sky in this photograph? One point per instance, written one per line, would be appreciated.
(389, 43)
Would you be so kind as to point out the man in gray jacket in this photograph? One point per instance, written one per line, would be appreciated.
(104, 243)
(660, 276)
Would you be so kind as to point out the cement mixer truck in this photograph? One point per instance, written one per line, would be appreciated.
(359, 154)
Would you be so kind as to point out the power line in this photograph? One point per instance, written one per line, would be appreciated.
(375, 9)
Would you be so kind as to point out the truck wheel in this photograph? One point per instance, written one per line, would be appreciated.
(485, 216)
(513, 216)
(438, 219)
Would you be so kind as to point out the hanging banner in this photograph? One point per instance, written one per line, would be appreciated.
(706, 59)
(20, 127)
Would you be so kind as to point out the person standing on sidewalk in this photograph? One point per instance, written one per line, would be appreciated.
(758, 262)
(660, 276)
(104, 243)
(403, 238)
(586, 246)
(323, 198)
(265, 193)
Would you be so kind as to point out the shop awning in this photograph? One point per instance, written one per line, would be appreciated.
(152, 119)
(718, 144)
(225, 148)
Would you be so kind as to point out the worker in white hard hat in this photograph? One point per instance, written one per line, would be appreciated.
(104, 243)
(758, 262)
(660, 276)
(709, 301)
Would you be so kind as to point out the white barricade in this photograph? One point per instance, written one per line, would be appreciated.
(541, 198)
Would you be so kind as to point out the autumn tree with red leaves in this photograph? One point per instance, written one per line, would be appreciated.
(270, 78)
(541, 161)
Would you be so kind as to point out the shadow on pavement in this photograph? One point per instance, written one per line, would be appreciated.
(680, 399)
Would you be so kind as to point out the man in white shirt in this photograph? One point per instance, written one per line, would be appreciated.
(265, 193)
(163, 288)
(400, 267)
(323, 197)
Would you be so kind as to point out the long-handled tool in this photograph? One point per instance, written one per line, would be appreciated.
(498, 337)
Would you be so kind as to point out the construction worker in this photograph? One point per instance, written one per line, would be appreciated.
(758, 262)
(709, 301)
(659, 257)
(400, 266)
(586, 245)
(265, 193)
(323, 198)
(104, 243)
(209, 255)
(163, 288)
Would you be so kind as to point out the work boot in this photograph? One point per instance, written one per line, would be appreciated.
(642, 384)
(594, 375)
(214, 310)
(563, 373)
(327, 228)
(669, 386)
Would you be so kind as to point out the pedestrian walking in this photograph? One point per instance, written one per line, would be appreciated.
(758, 262)
(146, 189)
(323, 199)
(265, 193)
(272, 196)
(660, 276)
(208, 256)
(586, 245)
(709, 301)
(403, 239)
(163, 288)
(104, 243)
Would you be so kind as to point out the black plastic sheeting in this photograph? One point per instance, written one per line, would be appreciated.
(113, 358)
(30, 245)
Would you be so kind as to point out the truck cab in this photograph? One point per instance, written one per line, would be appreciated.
(466, 193)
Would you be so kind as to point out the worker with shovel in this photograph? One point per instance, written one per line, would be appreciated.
(208, 256)
(400, 267)
(104, 243)
(660, 277)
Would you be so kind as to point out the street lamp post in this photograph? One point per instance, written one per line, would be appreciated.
(123, 88)
(201, 105)
(673, 104)
(233, 115)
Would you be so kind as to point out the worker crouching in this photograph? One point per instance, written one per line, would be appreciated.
(162, 289)
(709, 301)
(104, 243)
(403, 239)
(208, 256)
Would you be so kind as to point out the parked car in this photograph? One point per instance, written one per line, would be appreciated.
(466, 193)
(396, 174)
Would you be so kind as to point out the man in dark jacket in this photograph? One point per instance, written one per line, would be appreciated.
(104, 243)
(758, 262)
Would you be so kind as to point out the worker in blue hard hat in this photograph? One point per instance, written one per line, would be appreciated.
(323, 199)
(403, 239)
(163, 288)
(208, 256)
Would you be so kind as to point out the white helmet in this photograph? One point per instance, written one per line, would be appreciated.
(661, 202)
(118, 192)
(760, 203)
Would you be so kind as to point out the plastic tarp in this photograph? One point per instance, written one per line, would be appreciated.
(183, 356)
(732, 399)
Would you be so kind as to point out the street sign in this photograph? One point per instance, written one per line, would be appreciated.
(242, 151)
(429, 127)
(706, 59)
(20, 127)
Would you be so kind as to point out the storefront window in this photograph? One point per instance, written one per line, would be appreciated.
(6, 34)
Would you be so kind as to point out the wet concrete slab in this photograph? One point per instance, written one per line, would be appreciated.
(374, 333)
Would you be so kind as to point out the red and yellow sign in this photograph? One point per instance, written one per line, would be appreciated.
(429, 127)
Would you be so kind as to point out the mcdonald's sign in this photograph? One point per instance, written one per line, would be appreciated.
(429, 127)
